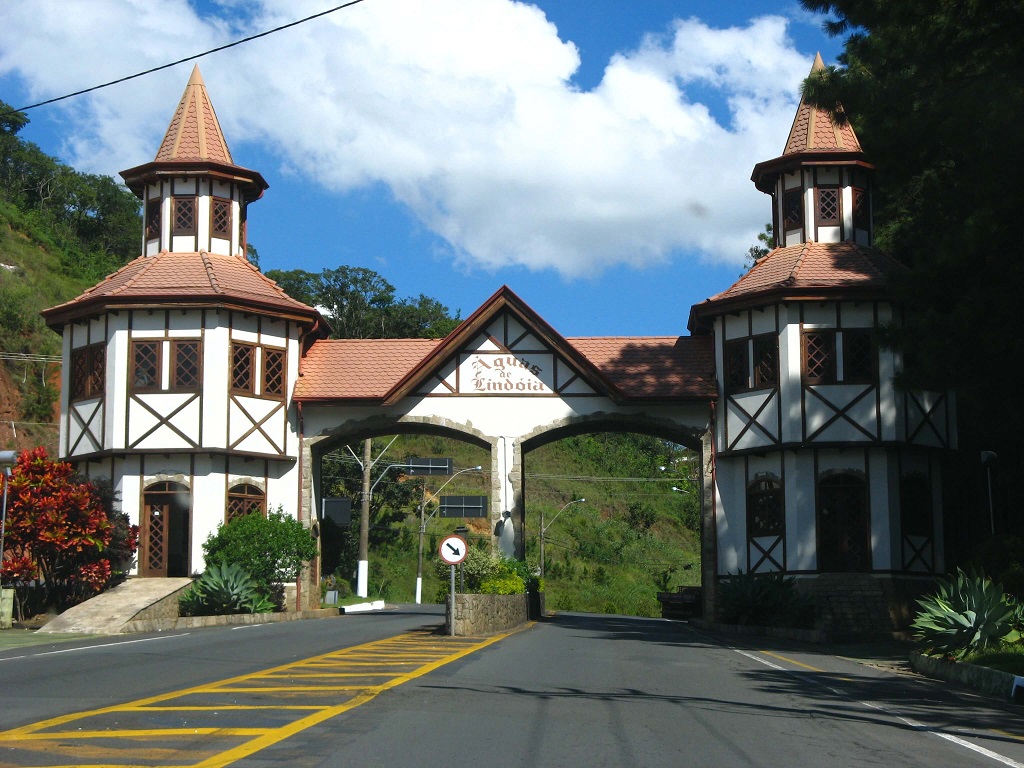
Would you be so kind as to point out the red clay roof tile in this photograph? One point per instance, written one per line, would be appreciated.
(641, 367)
(175, 278)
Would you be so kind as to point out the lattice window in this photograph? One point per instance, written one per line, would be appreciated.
(861, 209)
(187, 364)
(766, 515)
(88, 372)
(793, 209)
(242, 364)
(828, 205)
(153, 209)
(184, 216)
(273, 372)
(858, 357)
(736, 376)
(843, 523)
(245, 500)
(766, 361)
(220, 218)
(145, 370)
(820, 357)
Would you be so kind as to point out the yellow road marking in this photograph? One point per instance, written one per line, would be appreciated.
(422, 654)
(791, 661)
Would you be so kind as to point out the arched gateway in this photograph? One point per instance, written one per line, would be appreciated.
(204, 391)
(506, 381)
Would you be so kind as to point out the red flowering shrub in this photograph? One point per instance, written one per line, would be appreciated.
(58, 532)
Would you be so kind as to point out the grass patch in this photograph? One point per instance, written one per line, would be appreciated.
(1005, 658)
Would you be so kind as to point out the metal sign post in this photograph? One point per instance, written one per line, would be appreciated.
(452, 550)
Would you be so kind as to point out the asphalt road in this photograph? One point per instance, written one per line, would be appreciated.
(386, 690)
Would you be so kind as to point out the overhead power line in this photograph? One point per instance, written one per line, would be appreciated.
(182, 61)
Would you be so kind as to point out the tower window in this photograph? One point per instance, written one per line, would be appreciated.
(184, 215)
(145, 366)
(88, 372)
(243, 358)
(858, 356)
(273, 372)
(819, 357)
(220, 218)
(793, 209)
(187, 364)
(153, 208)
(861, 209)
(764, 351)
(828, 205)
(736, 376)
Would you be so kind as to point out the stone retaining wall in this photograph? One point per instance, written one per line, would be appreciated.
(477, 615)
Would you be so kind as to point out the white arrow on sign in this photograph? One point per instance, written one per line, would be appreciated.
(452, 549)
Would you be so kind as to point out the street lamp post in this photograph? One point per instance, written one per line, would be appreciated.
(423, 530)
(543, 528)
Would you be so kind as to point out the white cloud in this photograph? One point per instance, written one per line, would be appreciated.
(463, 108)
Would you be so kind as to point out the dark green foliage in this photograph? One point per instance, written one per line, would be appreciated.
(640, 517)
(934, 90)
(967, 613)
(224, 588)
(764, 599)
(270, 549)
(360, 304)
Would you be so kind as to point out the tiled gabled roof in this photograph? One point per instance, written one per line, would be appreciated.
(641, 367)
(653, 367)
(178, 279)
(807, 271)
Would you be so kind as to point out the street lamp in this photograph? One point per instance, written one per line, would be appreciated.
(423, 529)
(543, 528)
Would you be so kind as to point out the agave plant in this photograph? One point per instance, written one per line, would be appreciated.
(224, 588)
(968, 612)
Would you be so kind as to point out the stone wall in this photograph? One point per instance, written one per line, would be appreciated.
(477, 615)
(862, 602)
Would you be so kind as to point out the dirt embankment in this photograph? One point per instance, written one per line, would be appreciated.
(15, 434)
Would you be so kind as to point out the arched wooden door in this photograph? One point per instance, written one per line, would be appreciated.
(165, 530)
(844, 535)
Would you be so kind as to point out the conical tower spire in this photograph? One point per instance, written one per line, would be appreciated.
(821, 183)
(814, 130)
(194, 133)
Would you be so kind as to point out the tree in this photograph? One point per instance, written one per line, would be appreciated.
(360, 304)
(764, 245)
(57, 530)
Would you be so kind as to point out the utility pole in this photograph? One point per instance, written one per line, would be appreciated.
(363, 570)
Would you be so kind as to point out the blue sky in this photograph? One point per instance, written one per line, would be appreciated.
(594, 156)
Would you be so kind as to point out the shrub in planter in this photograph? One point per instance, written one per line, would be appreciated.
(967, 613)
(270, 549)
(223, 589)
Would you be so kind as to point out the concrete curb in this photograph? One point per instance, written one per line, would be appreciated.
(192, 622)
(989, 682)
(376, 605)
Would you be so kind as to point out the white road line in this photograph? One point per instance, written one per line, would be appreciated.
(91, 647)
(915, 725)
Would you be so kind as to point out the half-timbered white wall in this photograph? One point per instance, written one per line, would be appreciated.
(797, 432)
(208, 440)
(203, 189)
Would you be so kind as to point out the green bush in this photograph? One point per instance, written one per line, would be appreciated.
(967, 613)
(764, 599)
(270, 549)
(507, 584)
(224, 588)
